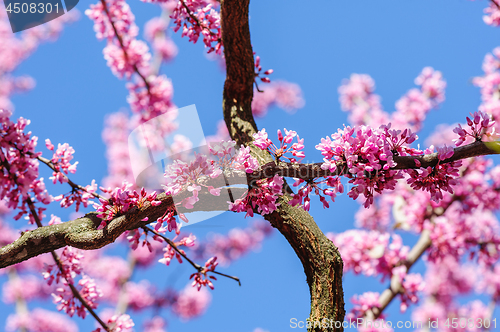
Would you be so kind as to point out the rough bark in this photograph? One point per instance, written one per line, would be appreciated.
(82, 233)
(319, 256)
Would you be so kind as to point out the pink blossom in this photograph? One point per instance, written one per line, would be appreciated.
(370, 252)
(121, 201)
(432, 84)
(17, 151)
(155, 324)
(262, 197)
(61, 162)
(25, 287)
(363, 303)
(237, 243)
(480, 125)
(448, 279)
(357, 97)
(70, 259)
(492, 16)
(119, 323)
(435, 180)
(140, 295)
(263, 143)
(199, 18)
(366, 155)
(40, 320)
(115, 136)
(120, 15)
(285, 95)
(412, 285)
(137, 58)
(191, 303)
(151, 101)
(65, 299)
(201, 278)
(260, 140)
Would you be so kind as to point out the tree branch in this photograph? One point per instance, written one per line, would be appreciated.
(82, 233)
(311, 171)
(319, 256)
(394, 288)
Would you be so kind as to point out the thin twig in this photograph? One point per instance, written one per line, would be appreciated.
(194, 18)
(71, 183)
(180, 252)
(122, 45)
(75, 292)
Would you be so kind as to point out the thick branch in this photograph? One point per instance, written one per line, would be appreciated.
(312, 171)
(320, 258)
(82, 233)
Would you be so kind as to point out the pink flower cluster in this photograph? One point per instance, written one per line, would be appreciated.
(190, 176)
(16, 48)
(262, 142)
(180, 175)
(70, 259)
(259, 72)
(122, 200)
(262, 197)
(124, 54)
(362, 304)
(370, 252)
(364, 155)
(170, 252)
(61, 161)
(438, 178)
(237, 243)
(488, 83)
(302, 196)
(118, 323)
(70, 265)
(149, 95)
(201, 278)
(358, 98)
(151, 98)
(19, 174)
(411, 285)
(40, 320)
(78, 196)
(199, 18)
(481, 125)
(171, 222)
(25, 287)
(492, 12)
(285, 95)
(122, 64)
(155, 32)
(65, 299)
(191, 303)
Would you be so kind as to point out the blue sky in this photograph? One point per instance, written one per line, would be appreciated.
(315, 44)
